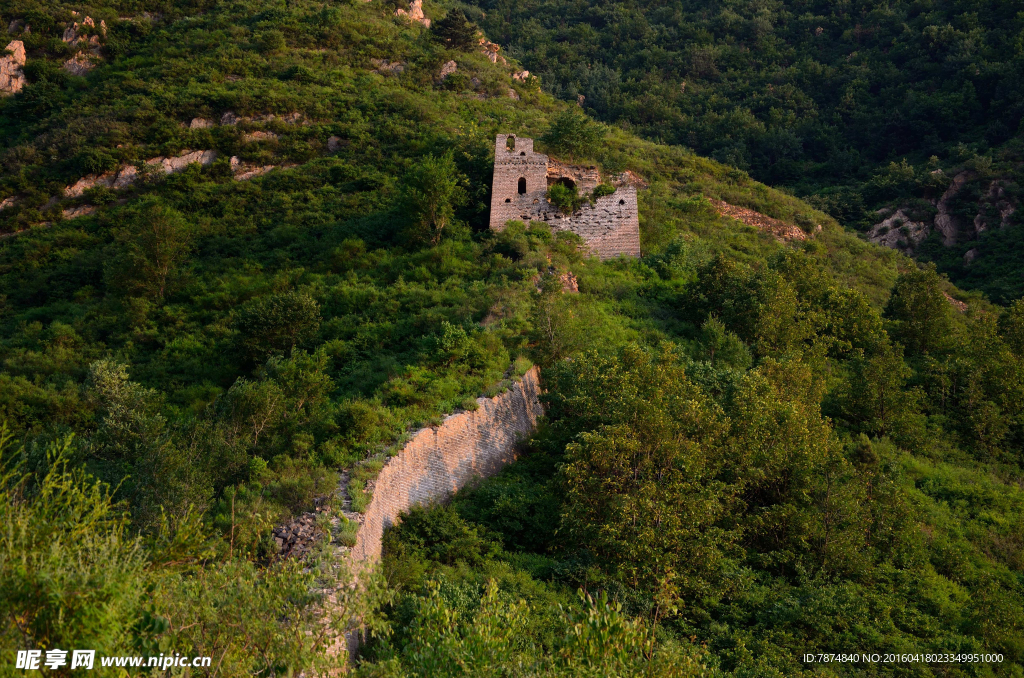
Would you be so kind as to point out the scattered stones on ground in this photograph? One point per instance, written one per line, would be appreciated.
(776, 227)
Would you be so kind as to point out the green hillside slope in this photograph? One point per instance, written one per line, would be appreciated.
(857, 106)
(246, 249)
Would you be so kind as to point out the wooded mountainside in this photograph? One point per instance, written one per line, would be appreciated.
(278, 265)
(855, 106)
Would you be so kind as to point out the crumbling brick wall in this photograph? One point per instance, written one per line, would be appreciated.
(438, 461)
(610, 226)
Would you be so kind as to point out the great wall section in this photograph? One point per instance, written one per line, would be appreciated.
(439, 461)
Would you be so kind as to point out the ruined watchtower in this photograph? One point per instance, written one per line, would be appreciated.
(610, 225)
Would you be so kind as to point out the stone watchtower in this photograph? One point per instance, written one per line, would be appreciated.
(610, 225)
(520, 180)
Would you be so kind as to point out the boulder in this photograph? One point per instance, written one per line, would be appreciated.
(12, 78)
(200, 123)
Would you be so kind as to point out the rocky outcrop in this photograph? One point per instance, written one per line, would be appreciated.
(12, 77)
(899, 232)
(80, 64)
(946, 223)
(521, 76)
(995, 208)
(179, 162)
(128, 174)
(200, 123)
(80, 211)
(415, 13)
(1000, 201)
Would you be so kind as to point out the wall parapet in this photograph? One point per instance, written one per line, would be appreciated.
(438, 461)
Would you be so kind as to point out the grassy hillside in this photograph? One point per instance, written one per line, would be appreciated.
(214, 344)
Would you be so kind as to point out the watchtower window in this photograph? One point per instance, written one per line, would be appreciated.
(622, 202)
(510, 143)
(522, 185)
(508, 199)
(522, 152)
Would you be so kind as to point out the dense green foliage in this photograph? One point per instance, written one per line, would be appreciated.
(784, 479)
(198, 359)
(810, 93)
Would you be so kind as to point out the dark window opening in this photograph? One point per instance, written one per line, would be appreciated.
(522, 185)
(622, 202)
(510, 143)
(508, 199)
(522, 153)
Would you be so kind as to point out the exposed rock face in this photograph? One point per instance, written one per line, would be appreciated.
(944, 221)
(200, 123)
(254, 172)
(180, 162)
(7, 202)
(415, 13)
(80, 211)
(899, 232)
(80, 64)
(512, 94)
(997, 198)
(776, 227)
(521, 76)
(446, 70)
(127, 175)
(12, 78)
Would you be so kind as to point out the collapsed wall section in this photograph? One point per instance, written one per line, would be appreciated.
(437, 462)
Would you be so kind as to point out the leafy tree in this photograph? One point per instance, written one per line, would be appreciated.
(276, 324)
(572, 134)
(640, 490)
(432, 191)
(1012, 327)
(920, 313)
(566, 199)
(71, 575)
(154, 240)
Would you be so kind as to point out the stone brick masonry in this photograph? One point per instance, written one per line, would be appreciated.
(610, 227)
(438, 461)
